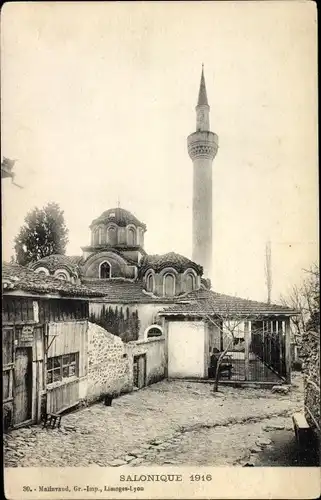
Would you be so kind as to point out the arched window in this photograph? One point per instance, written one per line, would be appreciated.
(150, 282)
(61, 276)
(43, 274)
(101, 238)
(42, 271)
(95, 237)
(189, 282)
(112, 236)
(154, 331)
(131, 236)
(169, 285)
(140, 237)
(104, 270)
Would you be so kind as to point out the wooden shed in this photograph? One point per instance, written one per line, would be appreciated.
(43, 343)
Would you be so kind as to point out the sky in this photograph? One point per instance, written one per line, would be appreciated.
(98, 100)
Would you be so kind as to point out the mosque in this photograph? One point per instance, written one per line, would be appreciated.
(116, 262)
(116, 318)
(169, 296)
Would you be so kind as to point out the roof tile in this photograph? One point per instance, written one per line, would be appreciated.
(209, 302)
(170, 259)
(15, 277)
(55, 261)
(118, 290)
(120, 216)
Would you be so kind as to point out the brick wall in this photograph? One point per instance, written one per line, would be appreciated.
(310, 354)
(109, 368)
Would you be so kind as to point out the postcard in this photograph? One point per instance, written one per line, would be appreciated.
(160, 274)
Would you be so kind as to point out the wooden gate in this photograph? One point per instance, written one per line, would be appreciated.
(139, 369)
(22, 385)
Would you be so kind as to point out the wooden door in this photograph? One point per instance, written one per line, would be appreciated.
(140, 371)
(22, 384)
(135, 372)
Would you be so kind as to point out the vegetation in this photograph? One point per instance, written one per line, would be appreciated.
(44, 233)
(228, 321)
(305, 298)
(125, 326)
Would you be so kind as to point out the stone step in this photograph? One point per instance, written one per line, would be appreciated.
(300, 421)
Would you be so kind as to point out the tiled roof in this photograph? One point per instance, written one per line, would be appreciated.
(208, 302)
(15, 277)
(119, 290)
(56, 261)
(171, 259)
(120, 216)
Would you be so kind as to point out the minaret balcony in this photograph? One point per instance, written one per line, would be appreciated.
(202, 144)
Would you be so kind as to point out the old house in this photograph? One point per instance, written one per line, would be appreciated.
(53, 358)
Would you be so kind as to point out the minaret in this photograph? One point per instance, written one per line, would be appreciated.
(202, 148)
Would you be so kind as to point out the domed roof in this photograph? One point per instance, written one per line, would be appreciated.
(56, 261)
(170, 259)
(120, 216)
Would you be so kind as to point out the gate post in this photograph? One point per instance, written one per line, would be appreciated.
(281, 332)
(247, 327)
(165, 331)
(287, 351)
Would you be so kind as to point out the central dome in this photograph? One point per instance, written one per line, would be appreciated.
(119, 216)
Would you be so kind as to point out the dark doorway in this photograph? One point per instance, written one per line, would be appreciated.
(22, 385)
(139, 371)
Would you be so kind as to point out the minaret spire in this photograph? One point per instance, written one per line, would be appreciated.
(202, 95)
(202, 149)
(202, 108)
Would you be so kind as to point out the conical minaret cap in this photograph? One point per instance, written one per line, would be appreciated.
(202, 95)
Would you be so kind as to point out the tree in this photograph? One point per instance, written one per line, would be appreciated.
(305, 299)
(44, 233)
(227, 321)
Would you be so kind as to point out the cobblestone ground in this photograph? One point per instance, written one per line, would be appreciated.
(167, 423)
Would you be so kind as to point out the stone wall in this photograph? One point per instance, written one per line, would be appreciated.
(310, 354)
(109, 369)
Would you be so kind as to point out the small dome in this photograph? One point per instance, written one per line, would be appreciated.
(119, 216)
(57, 261)
(171, 259)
